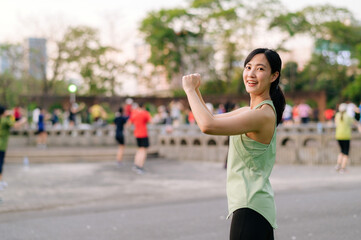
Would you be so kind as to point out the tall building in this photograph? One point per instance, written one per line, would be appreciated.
(37, 57)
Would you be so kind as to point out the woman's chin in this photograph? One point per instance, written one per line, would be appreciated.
(250, 90)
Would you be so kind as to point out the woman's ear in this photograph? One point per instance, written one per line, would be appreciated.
(274, 76)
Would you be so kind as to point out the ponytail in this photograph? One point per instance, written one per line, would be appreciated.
(278, 100)
(342, 109)
(275, 91)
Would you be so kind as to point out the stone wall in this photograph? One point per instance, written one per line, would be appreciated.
(311, 144)
(78, 137)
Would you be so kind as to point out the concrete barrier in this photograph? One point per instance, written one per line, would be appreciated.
(311, 144)
(298, 144)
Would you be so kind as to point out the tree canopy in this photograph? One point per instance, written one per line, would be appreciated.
(227, 29)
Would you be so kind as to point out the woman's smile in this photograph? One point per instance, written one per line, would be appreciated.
(251, 83)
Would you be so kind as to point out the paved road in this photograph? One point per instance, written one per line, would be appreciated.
(174, 200)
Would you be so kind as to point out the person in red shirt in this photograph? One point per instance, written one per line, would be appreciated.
(140, 118)
(329, 115)
(17, 113)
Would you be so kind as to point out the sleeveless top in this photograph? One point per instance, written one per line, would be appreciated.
(249, 166)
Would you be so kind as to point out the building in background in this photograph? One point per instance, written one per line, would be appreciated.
(36, 59)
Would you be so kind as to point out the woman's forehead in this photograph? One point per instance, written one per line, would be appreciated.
(259, 59)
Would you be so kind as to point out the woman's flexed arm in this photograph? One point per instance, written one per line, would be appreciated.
(237, 122)
(200, 111)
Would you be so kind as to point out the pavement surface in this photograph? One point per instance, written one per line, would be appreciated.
(44, 186)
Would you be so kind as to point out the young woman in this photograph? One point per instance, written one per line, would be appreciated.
(252, 148)
(343, 136)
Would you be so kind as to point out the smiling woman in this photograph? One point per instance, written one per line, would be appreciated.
(252, 145)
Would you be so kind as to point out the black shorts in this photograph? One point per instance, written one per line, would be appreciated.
(345, 146)
(120, 139)
(143, 142)
(2, 160)
(249, 224)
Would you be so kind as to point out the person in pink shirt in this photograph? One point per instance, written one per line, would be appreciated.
(304, 112)
(140, 118)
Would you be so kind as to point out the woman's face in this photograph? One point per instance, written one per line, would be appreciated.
(257, 76)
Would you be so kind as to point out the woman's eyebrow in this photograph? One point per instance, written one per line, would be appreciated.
(258, 64)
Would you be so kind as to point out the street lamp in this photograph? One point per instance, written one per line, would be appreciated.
(72, 88)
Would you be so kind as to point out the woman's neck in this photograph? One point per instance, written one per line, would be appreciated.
(255, 100)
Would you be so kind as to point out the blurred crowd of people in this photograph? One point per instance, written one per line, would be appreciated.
(303, 113)
(174, 114)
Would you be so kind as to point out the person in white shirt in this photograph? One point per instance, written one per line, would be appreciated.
(351, 109)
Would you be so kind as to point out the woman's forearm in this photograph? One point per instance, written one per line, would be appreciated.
(202, 101)
(200, 111)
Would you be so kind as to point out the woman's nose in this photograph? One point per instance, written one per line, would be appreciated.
(251, 72)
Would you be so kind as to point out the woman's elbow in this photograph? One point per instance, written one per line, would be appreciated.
(206, 128)
(203, 129)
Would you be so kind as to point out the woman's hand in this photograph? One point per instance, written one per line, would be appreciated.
(191, 82)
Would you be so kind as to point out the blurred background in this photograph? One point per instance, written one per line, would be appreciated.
(69, 65)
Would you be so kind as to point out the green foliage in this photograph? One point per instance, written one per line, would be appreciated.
(292, 23)
(9, 86)
(82, 48)
(60, 88)
(55, 106)
(178, 93)
(78, 52)
(311, 103)
(289, 76)
(205, 4)
(110, 117)
(151, 108)
(337, 37)
(214, 87)
(353, 90)
(319, 74)
(31, 106)
(168, 45)
(186, 40)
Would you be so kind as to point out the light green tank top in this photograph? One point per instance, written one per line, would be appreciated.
(249, 166)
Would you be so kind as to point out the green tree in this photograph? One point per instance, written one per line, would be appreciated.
(353, 90)
(186, 39)
(289, 76)
(81, 51)
(12, 80)
(313, 21)
(173, 40)
(336, 35)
